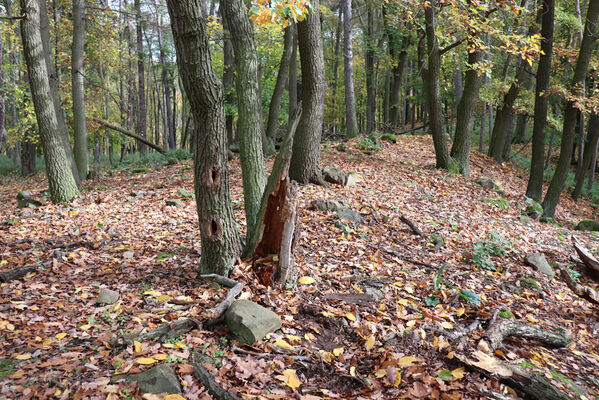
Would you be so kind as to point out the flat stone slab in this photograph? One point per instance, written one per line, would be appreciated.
(108, 296)
(174, 203)
(160, 379)
(250, 322)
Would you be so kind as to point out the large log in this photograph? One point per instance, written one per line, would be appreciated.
(585, 255)
(502, 329)
(582, 291)
(278, 214)
(130, 134)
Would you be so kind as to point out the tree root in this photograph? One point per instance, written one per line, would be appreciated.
(586, 257)
(412, 225)
(163, 332)
(585, 292)
(205, 378)
(20, 272)
(498, 331)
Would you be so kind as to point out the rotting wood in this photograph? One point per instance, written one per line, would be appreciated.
(130, 134)
(215, 315)
(275, 234)
(412, 225)
(535, 386)
(586, 257)
(164, 332)
(205, 378)
(499, 330)
(361, 299)
(585, 292)
(20, 272)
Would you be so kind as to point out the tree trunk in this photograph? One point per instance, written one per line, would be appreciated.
(457, 82)
(433, 88)
(589, 153)
(292, 84)
(305, 161)
(275, 101)
(351, 119)
(576, 88)
(77, 77)
(141, 76)
(168, 117)
(249, 106)
(219, 235)
(54, 89)
(228, 81)
(534, 188)
(369, 60)
(28, 153)
(63, 186)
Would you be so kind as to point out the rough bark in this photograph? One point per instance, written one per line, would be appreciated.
(433, 88)
(369, 60)
(168, 111)
(351, 119)
(141, 77)
(581, 291)
(587, 258)
(576, 88)
(292, 84)
(228, 81)
(63, 186)
(460, 150)
(249, 106)
(589, 152)
(78, 86)
(282, 75)
(219, 235)
(305, 161)
(335, 70)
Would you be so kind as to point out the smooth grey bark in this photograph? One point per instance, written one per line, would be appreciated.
(351, 119)
(305, 161)
(78, 86)
(576, 89)
(460, 150)
(141, 77)
(63, 186)
(275, 101)
(54, 89)
(219, 235)
(432, 80)
(249, 106)
(589, 153)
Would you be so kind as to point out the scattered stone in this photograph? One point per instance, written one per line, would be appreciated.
(347, 214)
(525, 220)
(538, 261)
(160, 379)
(486, 183)
(137, 193)
(25, 200)
(327, 205)
(352, 179)
(588, 225)
(341, 147)
(335, 175)
(250, 321)
(128, 255)
(533, 209)
(174, 203)
(375, 293)
(108, 296)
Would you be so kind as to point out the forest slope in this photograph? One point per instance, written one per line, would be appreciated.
(120, 234)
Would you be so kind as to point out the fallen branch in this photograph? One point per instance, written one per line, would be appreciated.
(535, 386)
(163, 332)
(130, 134)
(498, 331)
(216, 314)
(362, 299)
(586, 257)
(205, 378)
(411, 224)
(221, 280)
(239, 350)
(20, 272)
(585, 292)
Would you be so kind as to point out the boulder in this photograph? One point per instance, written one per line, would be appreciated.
(160, 379)
(250, 322)
(335, 175)
(341, 148)
(533, 208)
(25, 200)
(347, 214)
(352, 179)
(108, 296)
(327, 205)
(538, 261)
(588, 225)
(486, 183)
(174, 203)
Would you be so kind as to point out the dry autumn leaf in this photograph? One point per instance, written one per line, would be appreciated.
(145, 361)
(306, 280)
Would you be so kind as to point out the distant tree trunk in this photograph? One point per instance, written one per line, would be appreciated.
(369, 60)
(228, 81)
(219, 235)
(335, 69)
(63, 186)
(275, 101)
(54, 90)
(141, 76)
(460, 150)
(292, 84)
(534, 188)
(433, 87)
(351, 119)
(457, 82)
(305, 161)
(589, 153)
(3, 136)
(249, 106)
(78, 87)
(576, 88)
(28, 153)
(387, 98)
(168, 117)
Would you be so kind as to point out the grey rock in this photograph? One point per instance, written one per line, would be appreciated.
(341, 147)
(349, 215)
(352, 179)
(25, 200)
(174, 203)
(533, 209)
(327, 205)
(375, 293)
(538, 261)
(250, 322)
(108, 296)
(588, 225)
(128, 255)
(335, 175)
(486, 183)
(160, 379)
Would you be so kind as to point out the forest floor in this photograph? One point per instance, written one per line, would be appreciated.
(56, 341)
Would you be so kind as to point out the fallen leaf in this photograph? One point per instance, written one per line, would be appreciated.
(407, 361)
(145, 361)
(370, 342)
(306, 280)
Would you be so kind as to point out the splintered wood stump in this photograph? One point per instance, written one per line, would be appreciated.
(271, 244)
(586, 256)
